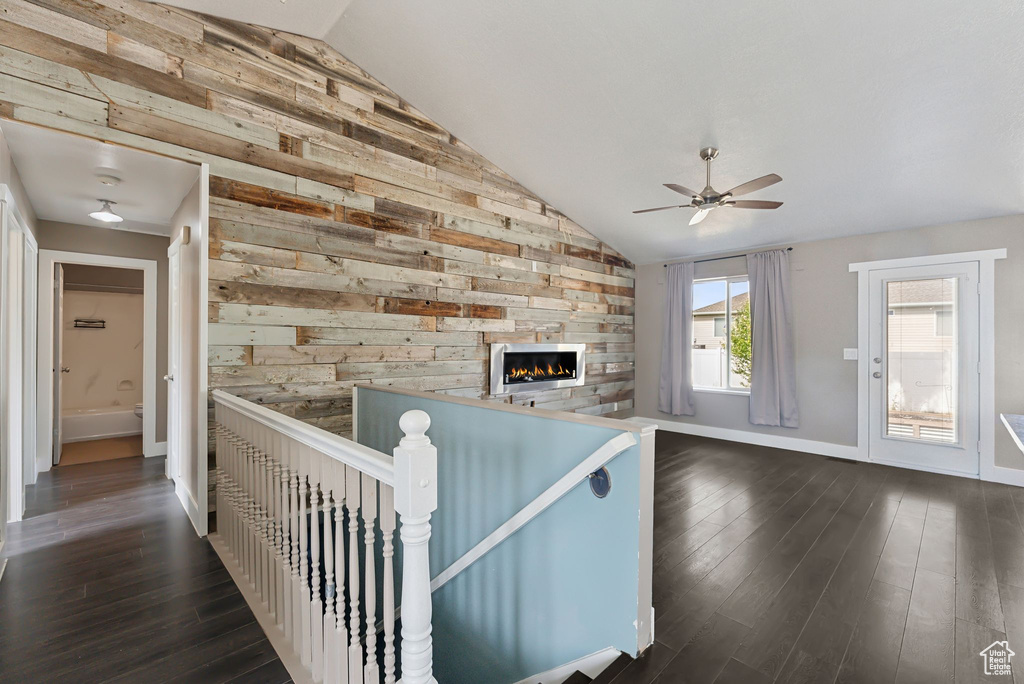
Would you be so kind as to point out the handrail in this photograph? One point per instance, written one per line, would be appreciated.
(377, 465)
(606, 452)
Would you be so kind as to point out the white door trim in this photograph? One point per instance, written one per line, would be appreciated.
(13, 221)
(986, 349)
(44, 432)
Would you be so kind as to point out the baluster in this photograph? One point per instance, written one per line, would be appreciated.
(278, 555)
(296, 578)
(232, 451)
(316, 606)
(261, 538)
(273, 534)
(286, 553)
(218, 455)
(271, 509)
(250, 491)
(259, 482)
(330, 588)
(306, 653)
(352, 503)
(339, 643)
(236, 490)
(369, 508)
(415, 500)
(247, 480)
(387, 529)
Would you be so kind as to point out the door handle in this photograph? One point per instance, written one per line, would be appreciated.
(169, 378)
(876, 374)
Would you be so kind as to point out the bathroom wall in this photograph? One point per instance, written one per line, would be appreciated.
(106, 364)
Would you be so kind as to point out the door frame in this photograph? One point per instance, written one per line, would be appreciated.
(986, 351)
(13, 451)
(172, 467)
(44, 402)
(30, 283)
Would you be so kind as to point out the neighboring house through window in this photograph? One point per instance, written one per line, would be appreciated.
(721, 355)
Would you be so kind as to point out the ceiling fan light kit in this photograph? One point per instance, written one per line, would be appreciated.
(709, 198)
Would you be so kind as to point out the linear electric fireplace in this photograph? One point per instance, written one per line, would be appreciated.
(531, 367)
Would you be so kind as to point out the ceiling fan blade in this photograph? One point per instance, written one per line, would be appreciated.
(754, 204)
(699, 216)
(682, 190)
(756, 184)
(674, 206)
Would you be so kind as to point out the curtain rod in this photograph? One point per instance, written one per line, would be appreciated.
(734, 256)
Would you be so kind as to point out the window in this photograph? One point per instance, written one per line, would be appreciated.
(944, 323)
(721, 354)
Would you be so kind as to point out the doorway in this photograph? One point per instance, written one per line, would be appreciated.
(98, 347)
(91, 413)
(926, 362)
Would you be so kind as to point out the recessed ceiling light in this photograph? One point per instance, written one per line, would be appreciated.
(106, 214)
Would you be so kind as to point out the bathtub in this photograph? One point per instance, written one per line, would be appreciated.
(80, 425)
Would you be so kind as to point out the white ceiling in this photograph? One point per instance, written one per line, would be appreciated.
(59, 172)
(879, 115)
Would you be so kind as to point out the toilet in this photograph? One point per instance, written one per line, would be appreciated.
(138, 410)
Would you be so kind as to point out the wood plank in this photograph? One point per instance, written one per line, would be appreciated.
(927, 654)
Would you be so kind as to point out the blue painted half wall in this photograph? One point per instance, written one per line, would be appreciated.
(573, 581)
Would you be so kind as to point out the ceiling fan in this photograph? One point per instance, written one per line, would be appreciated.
(709, 198)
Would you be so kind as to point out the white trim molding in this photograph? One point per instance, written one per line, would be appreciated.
(987, 470)
(808, 446)
(48, 258)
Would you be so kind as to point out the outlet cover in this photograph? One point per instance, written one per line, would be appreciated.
(850, 354)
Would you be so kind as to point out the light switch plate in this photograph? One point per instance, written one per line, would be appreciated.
(850, 354)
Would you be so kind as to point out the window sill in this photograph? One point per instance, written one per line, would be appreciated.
(722, 390)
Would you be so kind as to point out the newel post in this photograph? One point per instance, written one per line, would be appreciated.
(415, 500)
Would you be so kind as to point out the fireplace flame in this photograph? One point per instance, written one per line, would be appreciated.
(538, 372)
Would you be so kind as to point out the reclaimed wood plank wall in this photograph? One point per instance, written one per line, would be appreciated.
(351, 238)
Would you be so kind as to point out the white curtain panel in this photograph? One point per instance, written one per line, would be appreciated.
(773, 377)
(675, 391)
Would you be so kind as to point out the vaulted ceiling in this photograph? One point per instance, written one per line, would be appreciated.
(878, 115)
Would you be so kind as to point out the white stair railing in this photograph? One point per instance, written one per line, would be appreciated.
(290, 498)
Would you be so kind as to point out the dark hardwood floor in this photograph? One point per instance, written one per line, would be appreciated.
(775, 566)
(106, 580)
(770, 566)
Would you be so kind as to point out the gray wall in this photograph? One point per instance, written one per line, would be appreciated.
(825, 310)
(73, 238)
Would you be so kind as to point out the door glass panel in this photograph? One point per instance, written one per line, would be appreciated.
(922, 378)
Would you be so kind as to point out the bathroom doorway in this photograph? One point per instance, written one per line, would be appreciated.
(99, 313)
(100, 325)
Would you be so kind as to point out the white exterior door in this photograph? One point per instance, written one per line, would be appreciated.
(174, 375)
(58, 368)
(923, 366)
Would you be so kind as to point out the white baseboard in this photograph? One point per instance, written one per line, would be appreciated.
(191, 508)
(809, 446)
(159, 449)
(275, 635)
(591, 665)
(1010, 476)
